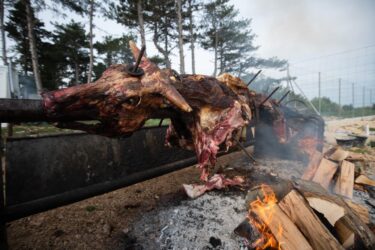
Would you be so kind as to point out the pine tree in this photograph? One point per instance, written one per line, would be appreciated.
(17, 29)
(133, 14)
(231, 39)
(192, 6)
(2, 30)
(73, 43)
(115, 50)
(163, 26)
(180, 35)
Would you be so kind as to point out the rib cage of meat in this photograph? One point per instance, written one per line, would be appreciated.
(217, 116)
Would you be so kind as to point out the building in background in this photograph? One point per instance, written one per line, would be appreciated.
(15, 85)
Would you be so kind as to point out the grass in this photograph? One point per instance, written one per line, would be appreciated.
(359, 150)
(90, 208)
(33, 129)
(27, 129)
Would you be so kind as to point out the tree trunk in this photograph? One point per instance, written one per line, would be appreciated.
(192, 46)
(32, 44)
(91, 17)
(180, 38)
(215, 48)
(4, 52)
(76, 69)
(221, 60)
(141, 22)
(164, 51)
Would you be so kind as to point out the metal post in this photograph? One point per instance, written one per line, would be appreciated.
(339, 96)
(353, 99)
(3, 232)
(363, 101)
(320, 101)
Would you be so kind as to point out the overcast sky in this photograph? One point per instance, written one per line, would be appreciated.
(334, 37)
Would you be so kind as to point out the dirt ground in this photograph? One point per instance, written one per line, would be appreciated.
(156, 214)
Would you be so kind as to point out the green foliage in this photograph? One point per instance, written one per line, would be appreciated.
(115, 50)
(330, 108)
(71, 43)
(90, 208)
(16, 27)
(232, 39)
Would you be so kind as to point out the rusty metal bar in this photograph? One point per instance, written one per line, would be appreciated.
(283, 97)
(255, 76)
(143, 49)
(269, 96)
(22, 110)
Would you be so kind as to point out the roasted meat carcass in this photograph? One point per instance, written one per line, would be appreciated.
(205, 112)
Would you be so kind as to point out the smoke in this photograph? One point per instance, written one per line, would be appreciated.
(297, 29)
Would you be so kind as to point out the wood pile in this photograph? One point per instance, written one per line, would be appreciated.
(335, 171)
(307, 216)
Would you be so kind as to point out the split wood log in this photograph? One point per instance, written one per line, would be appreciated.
(312, 166)
(364, 236)
(363, 179)
(331, 211)
(338, 154)
(299, 211)
(291, 237)
(345, 181)
(360, 210)
(353, 156)
(344, 233)
(359, 187)
(325, 173)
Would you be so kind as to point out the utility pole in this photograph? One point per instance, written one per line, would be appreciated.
(339, 96)
(320, 101)
(363, 101)
(353, 99)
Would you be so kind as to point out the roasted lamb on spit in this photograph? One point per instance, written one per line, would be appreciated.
(205, 112)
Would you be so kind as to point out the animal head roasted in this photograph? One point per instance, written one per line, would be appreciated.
(120, 101)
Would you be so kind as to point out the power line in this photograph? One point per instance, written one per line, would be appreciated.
(333, 54)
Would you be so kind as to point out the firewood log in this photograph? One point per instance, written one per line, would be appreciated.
(289, 237)
(312, 166)
(299, 211)
(363, 179)
(325, 173)
(364, 237)
(360, 210)
(345, 181)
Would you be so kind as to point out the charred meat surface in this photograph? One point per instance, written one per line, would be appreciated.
(206, 113)
(217, 116)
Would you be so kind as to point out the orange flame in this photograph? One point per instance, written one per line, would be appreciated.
(264, 209)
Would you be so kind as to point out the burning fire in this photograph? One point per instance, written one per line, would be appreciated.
(264, 208)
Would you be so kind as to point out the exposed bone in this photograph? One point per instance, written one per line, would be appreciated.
(217, 181)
